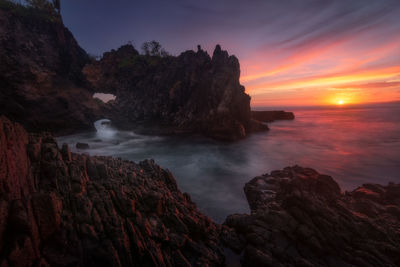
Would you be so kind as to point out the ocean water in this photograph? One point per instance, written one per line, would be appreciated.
(355, 145)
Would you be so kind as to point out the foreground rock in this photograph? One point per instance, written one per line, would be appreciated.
(190, 93)
(300, 218)
(270, 116)
(63, 209)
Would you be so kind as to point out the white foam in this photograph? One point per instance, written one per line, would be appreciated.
(104, 129)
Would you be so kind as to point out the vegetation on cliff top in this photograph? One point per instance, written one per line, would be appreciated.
(37, 9)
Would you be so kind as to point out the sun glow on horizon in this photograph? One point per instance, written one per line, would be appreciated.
(347, 71)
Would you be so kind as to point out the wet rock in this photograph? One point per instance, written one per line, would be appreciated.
(65, 209)
(82, 145)
(66, 153)
(301, 218)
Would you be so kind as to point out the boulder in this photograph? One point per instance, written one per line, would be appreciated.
(82, 145)
(300, 217)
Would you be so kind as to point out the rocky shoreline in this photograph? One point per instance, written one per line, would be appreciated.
(50, 87)
(61, 208)
(58, 208)
(301, 218)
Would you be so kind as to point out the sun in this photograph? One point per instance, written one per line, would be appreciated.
(340, 102)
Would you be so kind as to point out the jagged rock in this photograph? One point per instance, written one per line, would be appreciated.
(270, 116)
(301, 218)
(190, 93)
(44, 88)
(58, 208)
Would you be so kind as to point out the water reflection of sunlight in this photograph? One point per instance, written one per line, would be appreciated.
(354, 145)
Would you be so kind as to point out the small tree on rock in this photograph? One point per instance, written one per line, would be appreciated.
(45, 5)
(154, 48)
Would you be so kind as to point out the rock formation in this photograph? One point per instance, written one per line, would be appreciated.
(191, 93)
(270, 116)
(41, 80)
(44, 88)
(63, 209)
(301, 218)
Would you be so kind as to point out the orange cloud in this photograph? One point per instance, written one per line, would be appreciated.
(357, 68)
(332, 79)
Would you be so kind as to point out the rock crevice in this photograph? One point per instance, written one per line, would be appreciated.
(63, 209)
(301, 218)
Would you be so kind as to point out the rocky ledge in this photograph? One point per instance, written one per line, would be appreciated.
(63, 209)
(301, 218)
(270, 116)
(58, 208)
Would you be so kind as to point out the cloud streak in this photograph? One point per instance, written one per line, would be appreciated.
(283, 45)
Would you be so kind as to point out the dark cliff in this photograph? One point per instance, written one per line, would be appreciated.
(63, 209)
(44, 88)
(41, 80)
(192, 93)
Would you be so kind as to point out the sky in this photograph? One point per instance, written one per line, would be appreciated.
(291, 52)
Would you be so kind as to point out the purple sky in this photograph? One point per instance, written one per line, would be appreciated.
(291, 51)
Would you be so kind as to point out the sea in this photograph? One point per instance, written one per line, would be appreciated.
(353, 144)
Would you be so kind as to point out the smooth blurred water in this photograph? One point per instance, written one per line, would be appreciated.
(355, 145)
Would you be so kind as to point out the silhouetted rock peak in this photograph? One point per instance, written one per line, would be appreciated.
(190, 93)
(219, 54)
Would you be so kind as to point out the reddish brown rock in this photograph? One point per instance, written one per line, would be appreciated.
(301, 218)
(63, 209)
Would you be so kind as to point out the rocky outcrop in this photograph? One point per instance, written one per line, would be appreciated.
(190, 93)
(44, 88)
(41, 80)
(301, 218)
(63, 209)
(270, 116)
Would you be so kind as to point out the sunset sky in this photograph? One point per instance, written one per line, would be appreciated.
(292, 52)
